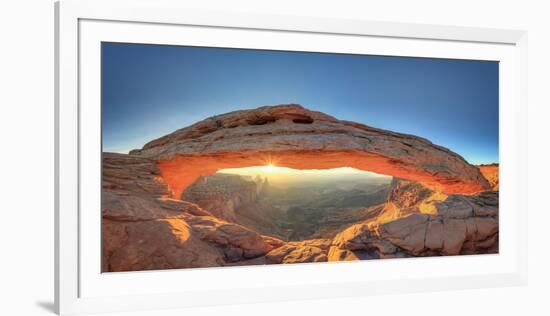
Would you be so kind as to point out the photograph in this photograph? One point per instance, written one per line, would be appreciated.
(223, 157)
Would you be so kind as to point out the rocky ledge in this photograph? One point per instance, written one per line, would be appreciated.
(459, 225)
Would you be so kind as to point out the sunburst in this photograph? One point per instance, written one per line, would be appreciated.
(269, 168)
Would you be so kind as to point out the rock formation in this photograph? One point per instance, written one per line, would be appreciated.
(221, 194)
(445, 207)
(490, 172)
(143, 228)
(459, 224)
(292, 136)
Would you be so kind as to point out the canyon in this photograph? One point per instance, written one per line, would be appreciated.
(296, 209)
(164, 206)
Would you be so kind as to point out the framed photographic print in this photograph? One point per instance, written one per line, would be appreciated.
(213, 157)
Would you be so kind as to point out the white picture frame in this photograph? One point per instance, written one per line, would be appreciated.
(81, 288)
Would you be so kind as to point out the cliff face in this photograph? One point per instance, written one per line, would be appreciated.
(222, 194)
(236, 199)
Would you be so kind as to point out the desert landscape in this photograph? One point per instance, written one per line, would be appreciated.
(285, 184)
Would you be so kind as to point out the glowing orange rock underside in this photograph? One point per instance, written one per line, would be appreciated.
(491, 173)
(181, 171)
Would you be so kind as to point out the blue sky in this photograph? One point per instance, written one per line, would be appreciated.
(151, 90)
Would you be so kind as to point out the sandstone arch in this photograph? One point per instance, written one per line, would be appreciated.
(295, 137)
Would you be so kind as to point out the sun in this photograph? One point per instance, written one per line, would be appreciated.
(269, 168)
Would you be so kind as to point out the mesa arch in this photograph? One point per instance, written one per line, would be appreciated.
(295, 137)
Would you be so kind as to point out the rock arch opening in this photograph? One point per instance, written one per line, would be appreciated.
(182, 170)
(291, 204)
(302, 139)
